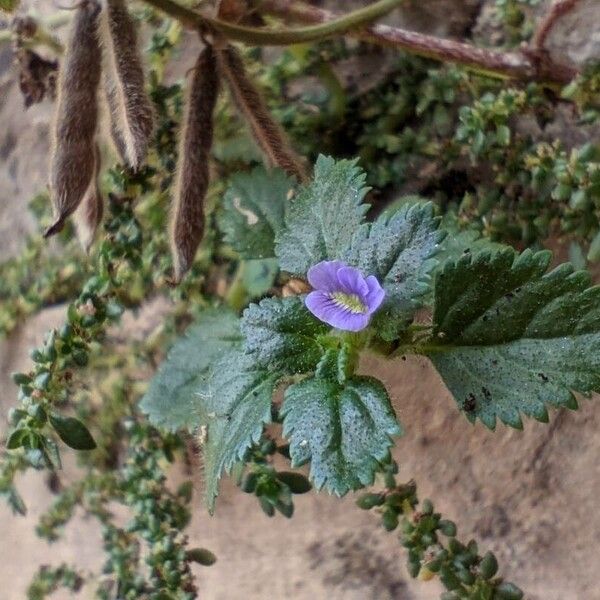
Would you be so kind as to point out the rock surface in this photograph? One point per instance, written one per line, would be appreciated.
(576, 36)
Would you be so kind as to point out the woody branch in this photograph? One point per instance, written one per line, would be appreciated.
(519, 65)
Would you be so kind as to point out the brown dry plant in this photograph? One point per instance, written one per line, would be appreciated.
(88, 215)
(251, 104)
(130, 108)
(73, 161)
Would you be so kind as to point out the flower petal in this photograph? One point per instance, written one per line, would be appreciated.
(342, 296)
(349, 321)
(375, 295)
(321, 305)
(352, 281)
(325, 309)
(323, 275)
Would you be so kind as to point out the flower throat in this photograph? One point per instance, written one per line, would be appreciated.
(349, 301)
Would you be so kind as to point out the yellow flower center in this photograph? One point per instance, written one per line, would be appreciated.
(350, 302)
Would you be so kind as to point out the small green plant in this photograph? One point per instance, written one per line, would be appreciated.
(515, 16)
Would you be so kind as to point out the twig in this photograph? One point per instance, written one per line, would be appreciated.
(504, 65)
(559, 8)
(266, 37)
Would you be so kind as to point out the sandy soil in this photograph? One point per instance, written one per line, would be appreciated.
(530, 496)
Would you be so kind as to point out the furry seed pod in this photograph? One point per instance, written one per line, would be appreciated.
(88, 215)
(251, 104)
(187, 216)
(73, 161)
(130, 108)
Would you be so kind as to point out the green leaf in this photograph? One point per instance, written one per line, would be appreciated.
(15, 501)
(297, 482)
(201, 556)
(369, 501)
(503, 135)
(253, 209)
(51, 451)
(508, 591)
(259, 275)
(457, 243)
(72, 432)
(18, 438)
(171, 400)
(393, 207)
(460, 241)
(281, 334)
(344, 430)
(510, 338)
(594, 250)
(396, 249)
(235, 405)
(488, 566)
(9, 5)
(322, 219)
(237, 149)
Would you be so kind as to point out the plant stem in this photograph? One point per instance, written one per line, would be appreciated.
(558, 9)
(494, 63)
(265, 37)
(236, 294)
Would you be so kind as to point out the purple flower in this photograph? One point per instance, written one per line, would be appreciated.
(343, 297)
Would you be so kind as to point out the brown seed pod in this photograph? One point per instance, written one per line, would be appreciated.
(192, 178)
(72, 166)
(251, 104)
(130, 108)
(88, 215)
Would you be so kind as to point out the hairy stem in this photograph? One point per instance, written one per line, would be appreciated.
(265, 37)
(494, 63)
